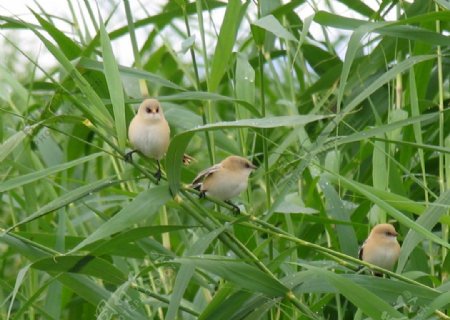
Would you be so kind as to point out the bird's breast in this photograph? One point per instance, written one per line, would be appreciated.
(225, 185)
(384, 255)
(150, 139)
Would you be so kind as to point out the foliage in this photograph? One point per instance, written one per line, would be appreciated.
(341, 142)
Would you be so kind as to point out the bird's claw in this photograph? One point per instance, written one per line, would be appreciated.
(157, 175)
(236, 209)
(128, 156)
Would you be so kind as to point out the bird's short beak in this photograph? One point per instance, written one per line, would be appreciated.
(253, 166)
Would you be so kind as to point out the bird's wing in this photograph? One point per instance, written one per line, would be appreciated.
(204, 174)
(361, 249)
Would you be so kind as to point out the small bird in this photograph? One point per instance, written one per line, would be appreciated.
(224, 180)
(149, 133)
(381, 247)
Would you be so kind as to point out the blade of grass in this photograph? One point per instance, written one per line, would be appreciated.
(34, 176)
(186, 272)
(227, 37)
(271, 24)
(115, 88)
(130, 72)
(19, 280)
(337, 210)
(69, 48)
(366, 92)
(66, 199)
(364, 299)
(427, 220)
(144, 206)
(98, 110)
(239, 273)
(137, 56)
(88, 265)
(14, 141)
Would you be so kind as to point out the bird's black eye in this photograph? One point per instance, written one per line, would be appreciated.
(148, 110)
(157, 110)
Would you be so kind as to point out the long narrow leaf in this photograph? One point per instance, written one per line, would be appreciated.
(427, 220)
(98, 110)
(224, 47)
(241, 274)
(115, 88)
(145, 205)
(186, 271)
(89, 265)
(34, 176)
(66, 199)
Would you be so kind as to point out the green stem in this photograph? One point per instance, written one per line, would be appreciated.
(91, 15)
(263, 115)
(204, 111)
(76, 24)
(442, 184)
(264, 131)
(301, 306)
(137, 56)
(191, 49)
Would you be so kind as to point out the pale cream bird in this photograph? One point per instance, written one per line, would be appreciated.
(149, 133)
(224, 180)
(381, 247)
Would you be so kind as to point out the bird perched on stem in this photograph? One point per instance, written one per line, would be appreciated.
(149, 133)
(381, 247)
(224, 180)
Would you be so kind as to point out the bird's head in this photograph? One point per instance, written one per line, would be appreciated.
(151, 110)
(238, 164)
(384, 231)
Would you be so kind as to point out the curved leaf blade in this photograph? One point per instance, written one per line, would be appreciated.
(88, 265)
(187, 271)
(115, 87)
(34, 176)
(241, 274)
(427, 220)
(66, 199)
(271, 24)
(144, 206)
(368, 302)
(226, 40)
